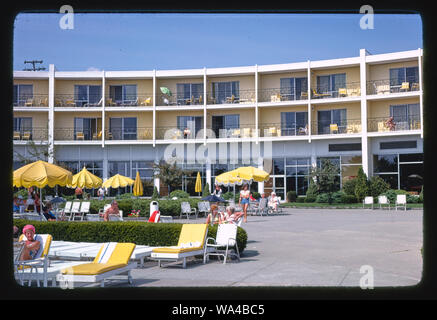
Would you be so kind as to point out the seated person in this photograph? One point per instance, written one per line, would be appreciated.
(231, 216)
(31, 246)
(213, 216)
(46, 210)
(251, 198)
(273, 201)
(113, 209)
(16, 206)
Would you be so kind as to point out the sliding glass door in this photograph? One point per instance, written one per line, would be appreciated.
(123, 128)
(222, 125)
(87, 95)
(88, 126)
(331, 83)
(292, 88)
(188, 91)
(294, 123)
(405, 116)
(223, 91)
(193, 124)
(22, 92)
(123, 94)
(326, 118)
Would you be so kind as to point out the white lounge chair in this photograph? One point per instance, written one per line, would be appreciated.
(65, 213)
(187, 210)
(383, 200)
(24, 269)
(262, 207)
(203, 207)
(112, 259)
(401, 201)
(75, 210)
(84, 209)
(368, 201)
(191, 243)
(226, 237)
(165, 219)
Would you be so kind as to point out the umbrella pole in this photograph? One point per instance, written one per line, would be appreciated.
(40, 201)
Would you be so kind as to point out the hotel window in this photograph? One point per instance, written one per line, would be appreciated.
(123, 94)
(292, 88)
(186, 91)
(223, 91)
(123, 128)
(334, 161)
(95, 167)
(401, 75)
(22, 92)
(294, 123)
(406, 116)
(23, 124)
(331, 83)
(192, 123)
(224, 125)
(119, 167)
(328, 117)
(87, 95)
(89, 127)
(297, 175)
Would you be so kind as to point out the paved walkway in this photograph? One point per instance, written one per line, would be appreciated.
(309, 247)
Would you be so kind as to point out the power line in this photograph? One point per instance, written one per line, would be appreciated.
(33, 62)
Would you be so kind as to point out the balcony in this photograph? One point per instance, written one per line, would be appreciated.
(350, 89)
(35, 100)
(30, 134)
(280, 95)
(278, 130)
(405, 123)
(141, 100)
(243, 131)
(173, 133)
(389, 86)
(71, 100)
(348, 126)
(134, 133)
(71, 134)
(179, 100)
(226, 97)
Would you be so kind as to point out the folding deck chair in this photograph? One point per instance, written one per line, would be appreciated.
(75, 210)
(112, 260)
(226, 237)
(191, 243)
(187, 210)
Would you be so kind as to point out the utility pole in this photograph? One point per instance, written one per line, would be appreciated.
(33, 62)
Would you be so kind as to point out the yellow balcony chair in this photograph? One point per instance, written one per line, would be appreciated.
(333, 128)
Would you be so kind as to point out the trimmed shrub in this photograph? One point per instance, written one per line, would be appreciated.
(205, 191)
(348, 198)
(300, 199)
(349, 186)
(155, 194)
(140, 233)
(291, 196)
(377, 186)
(310, 198)
(312, 190)
(361, 187)
(338, 197)
(179, 194)
(323, 198)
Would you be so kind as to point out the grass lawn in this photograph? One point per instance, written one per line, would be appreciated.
(339, 205)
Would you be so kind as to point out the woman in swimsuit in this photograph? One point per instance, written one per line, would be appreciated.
(31, 246)
(244, 200)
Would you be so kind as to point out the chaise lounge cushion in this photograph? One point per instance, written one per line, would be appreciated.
(92, 268)
(191, 238)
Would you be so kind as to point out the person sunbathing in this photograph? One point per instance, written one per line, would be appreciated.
(113, 209)
(231, 216)
(31, 245)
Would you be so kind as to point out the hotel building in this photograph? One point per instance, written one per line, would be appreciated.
(359, 111)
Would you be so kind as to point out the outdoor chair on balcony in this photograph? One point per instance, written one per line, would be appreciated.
(272, 131)
(303, 130)
(98, 104)
(333, 128)
(231, 99)
(415, 86)
(246, 132)
(97, 136)
(17, 135)
(26, 135)
(69, 103)
(382, 89)
(342, 92)
(320, 95)
(109, 102)
(190, 101)
(44, 102)
(275, 98)
(146, 102)
(405, 86)
(80, 136)
(29, 102)
(236, 133)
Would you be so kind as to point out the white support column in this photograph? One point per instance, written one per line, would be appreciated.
(103, 107)
(204, 106)
(208, 174)
(420, 58)
(309, 101)
(105, 164)
(51, 114)
(154, 109)
(364, 138)
(260, 166)
(256, 105)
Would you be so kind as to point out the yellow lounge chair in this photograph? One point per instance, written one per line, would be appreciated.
(191, 243)
(112, 259)
(320, 95)
(24, 269)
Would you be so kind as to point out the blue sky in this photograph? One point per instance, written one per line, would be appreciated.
(180, 41)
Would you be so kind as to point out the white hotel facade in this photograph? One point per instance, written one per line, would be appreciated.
(283, 118)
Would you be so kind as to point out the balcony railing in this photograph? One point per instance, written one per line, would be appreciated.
(71, 100)
(280, 94)
(240, 97)
(35, 100)
(173, 133)
(348, 126)
(279, 130)
(31, 134)
(350, 89)
(243, 131)
(141, 100)
(397, 124)
(389, 86)
(70, 134)
(179, 100)
(137, 133)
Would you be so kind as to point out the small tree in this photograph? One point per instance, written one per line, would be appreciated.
(326, 177)
(349, 186)
(361, 187)
(170, 174)
(377, 186)
(312, 191)
(205, 191)
(155, 194)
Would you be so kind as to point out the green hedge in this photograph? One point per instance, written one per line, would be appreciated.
(140, 233)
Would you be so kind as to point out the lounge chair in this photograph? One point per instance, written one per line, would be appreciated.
(383, 200)
(191, 243)
(112, 259)
(165, 219)
(66, 211)
(320, 95)
(262, 206)
(186, 209)
(75, 210)
(401, 201)
(84, 209)
(203, 207)
(24, 269)
(368, 201)
(226, 237)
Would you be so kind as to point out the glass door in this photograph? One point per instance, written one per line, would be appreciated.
(324, 121)
(129, 128)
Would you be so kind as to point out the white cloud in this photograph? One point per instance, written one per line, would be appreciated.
(93, 69)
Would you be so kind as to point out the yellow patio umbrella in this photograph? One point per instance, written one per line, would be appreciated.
(138, 186)
(40, 174)
(250, 174)
(118, 181)
(228, 179)
(198, 186)
(85, 179)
